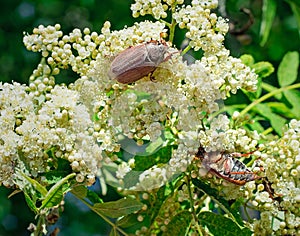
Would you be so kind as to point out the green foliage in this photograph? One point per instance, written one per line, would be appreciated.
(21, 16)
(222, 203)
(160, 157)
(286, 106)
(295, 6)
(179, 224)
(288, 69)
(56, 193)
(221, 225)
(50, 198)
(269, 11)
(118, 208)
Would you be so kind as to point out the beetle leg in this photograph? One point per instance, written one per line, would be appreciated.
(237, 154)
(152, 78)
(240, 173)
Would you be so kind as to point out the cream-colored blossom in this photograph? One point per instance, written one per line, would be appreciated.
(279, 161)
(30, 132)
(157, 176)
(16, 106)
(205, 30)
(156, 8)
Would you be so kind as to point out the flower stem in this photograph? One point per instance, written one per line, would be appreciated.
(172, 30)
(173, 24)
(192, 205)
(187, 48)
(268, 95)
(39, 227)
(246, 212)
(267, 131)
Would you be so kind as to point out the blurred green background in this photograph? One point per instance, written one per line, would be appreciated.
(16, 64)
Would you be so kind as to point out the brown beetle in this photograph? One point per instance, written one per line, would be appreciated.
(138, 61)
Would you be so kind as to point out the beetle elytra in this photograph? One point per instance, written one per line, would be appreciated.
(138, 61)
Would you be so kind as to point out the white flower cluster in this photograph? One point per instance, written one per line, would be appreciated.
(156, 8)
(34, 136)
(157, 176)
(180, 91)
(138, 117)
(43, 39)
(279, 199)
(205, 29)
(114, 42)
(15, 106)
(220, 137)
(206, 32)
(59, 49)
(176, 100)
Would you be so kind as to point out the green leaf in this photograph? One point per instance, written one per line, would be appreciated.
(288, 69)
(179, 224)
(248, 60)
(276, 121)
(256, 126)
(154, 146)
(94, 197)
(63, 169)
(215, 196)
(36, 185)
(281, 108)
(161, 195)
(109, 172)
(80, 191)
(30, 203)
(263, 68)
(114, 232)
(162, 156)
(169, 135)
(230, 109)
(131, 178)
(268, 14)
(140, 94)
(55, 194)
(221, 225)
(294, 1)
(127, 221)
(115, 209)
(54, 199)
(293, 97)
